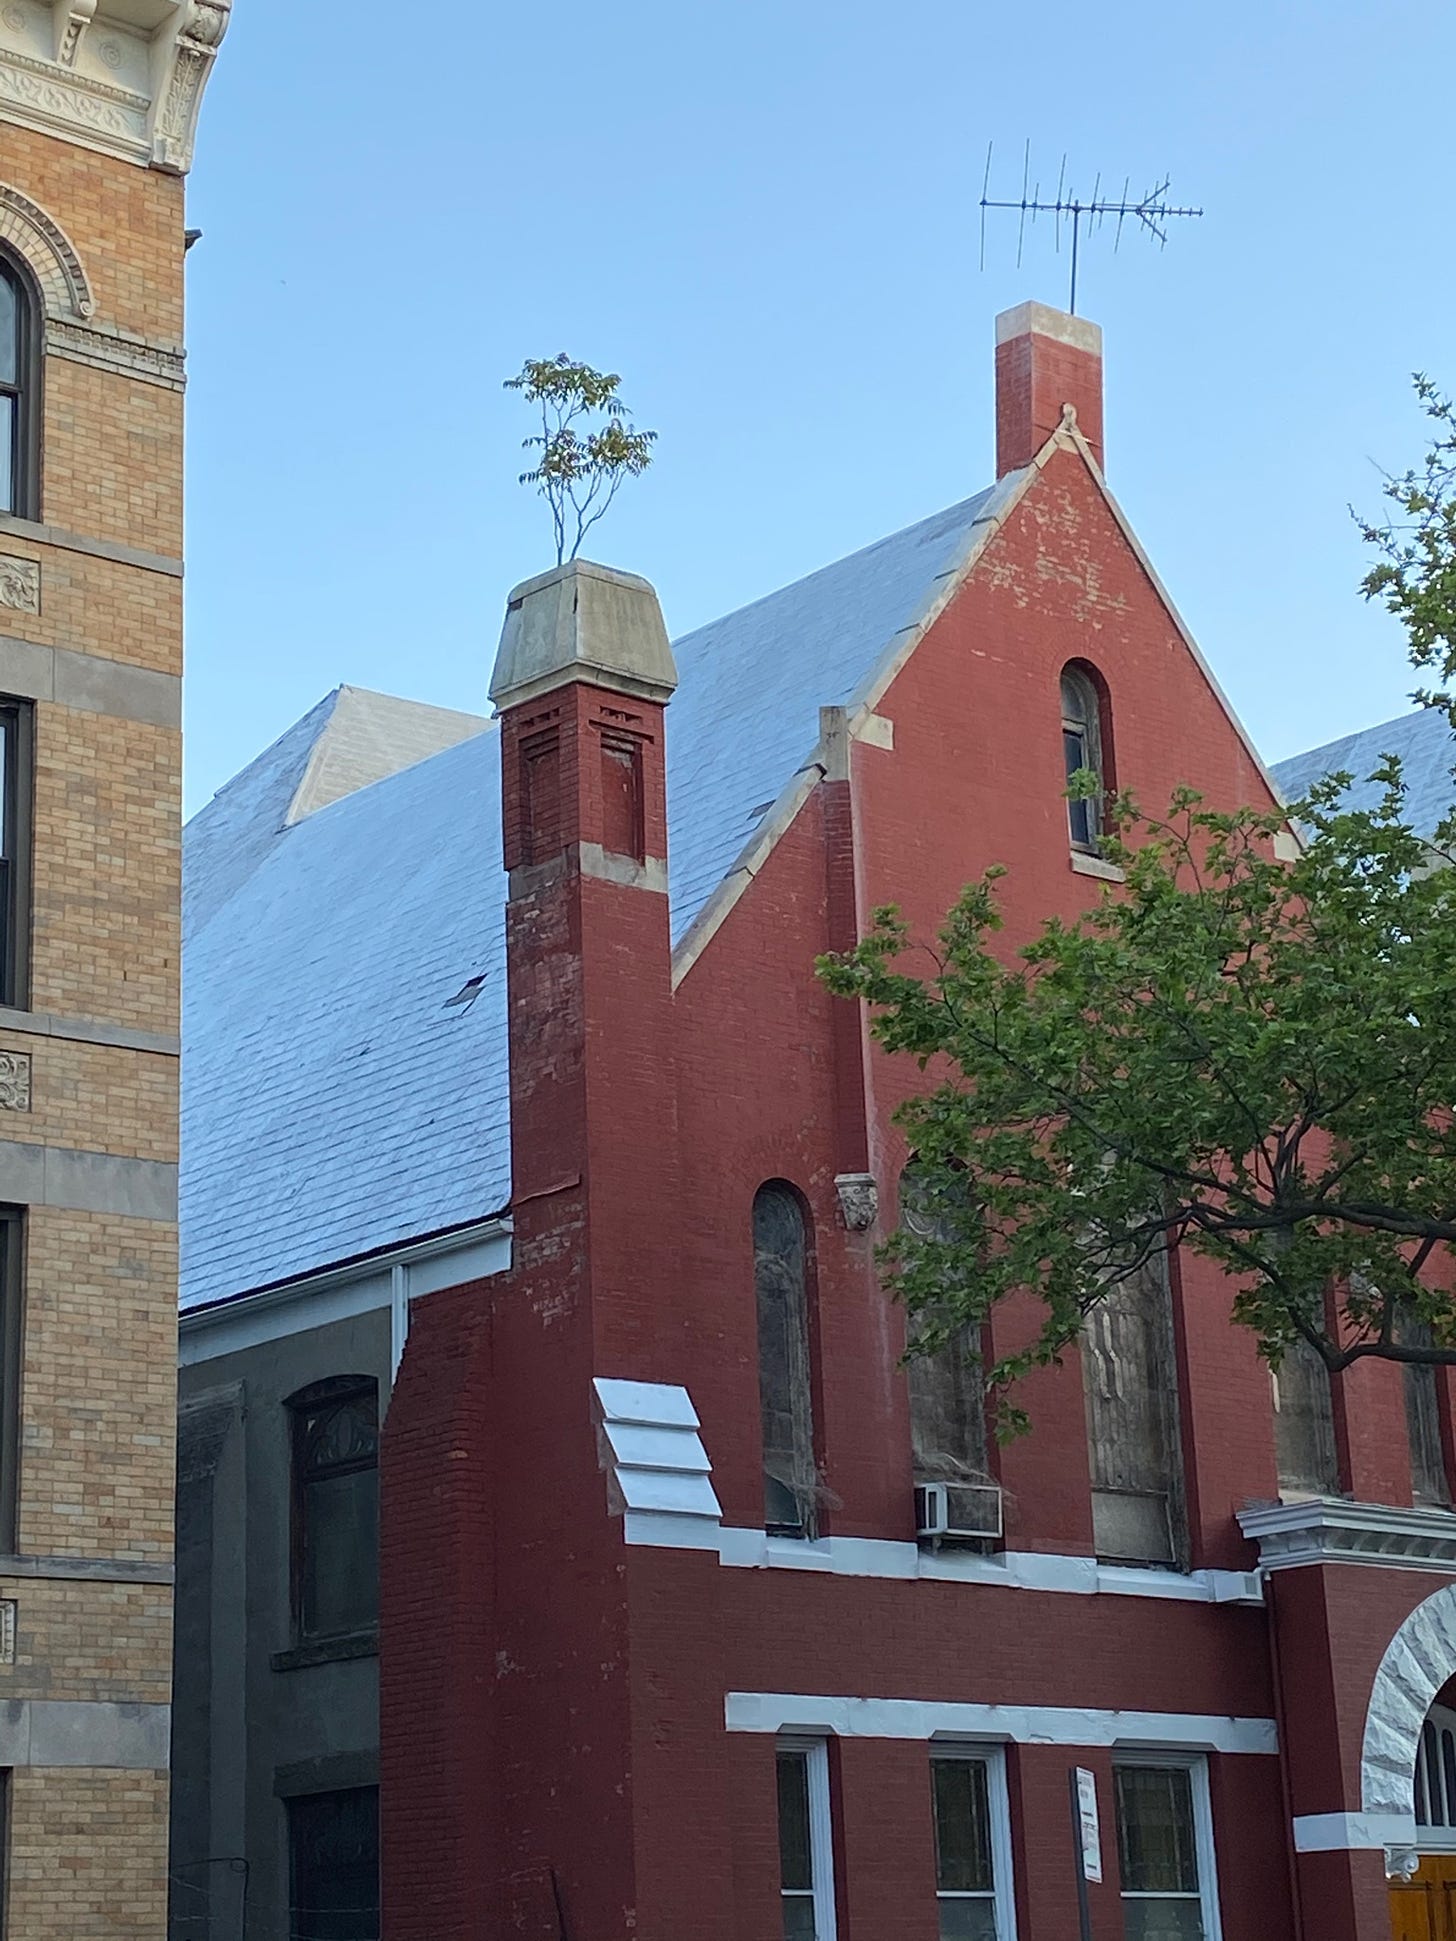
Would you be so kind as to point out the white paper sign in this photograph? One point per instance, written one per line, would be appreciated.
(1087, 1820)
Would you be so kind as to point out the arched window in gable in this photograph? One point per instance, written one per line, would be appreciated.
(947, 1385)
(782, 1266)
(1086, 744)
(335, 1564)
(19, 392)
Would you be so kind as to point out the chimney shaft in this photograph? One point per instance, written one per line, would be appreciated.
(1044, 360)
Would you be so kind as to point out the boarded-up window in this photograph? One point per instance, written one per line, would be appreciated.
(1429, 1484)
(1304, 1424)
(1130, 1378)
(947, 1386)
(781, 1283)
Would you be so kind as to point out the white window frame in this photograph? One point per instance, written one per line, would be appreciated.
(1003, 1875)
(1195, 1764)
(821, 1829)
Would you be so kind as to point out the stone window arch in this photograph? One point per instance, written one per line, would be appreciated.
(39, 242)
(1417, 1666)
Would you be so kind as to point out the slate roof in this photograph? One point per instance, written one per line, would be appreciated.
(1422, 740)
(334, 1101)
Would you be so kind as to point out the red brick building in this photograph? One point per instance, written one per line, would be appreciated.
(665, 1650)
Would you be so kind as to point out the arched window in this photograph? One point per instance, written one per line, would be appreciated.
(335, 1506)
(1131, 1384)
(19, 416)
(947, 1386)
(1304, 1424)
(781, 1268)
(1083, 746)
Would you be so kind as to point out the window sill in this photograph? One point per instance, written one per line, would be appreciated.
(1086, 865)
(327, 1651)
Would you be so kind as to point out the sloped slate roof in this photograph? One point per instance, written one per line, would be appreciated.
(1422, 740)
(334, 1101)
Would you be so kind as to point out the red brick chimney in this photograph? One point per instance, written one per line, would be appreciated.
(1044, 360)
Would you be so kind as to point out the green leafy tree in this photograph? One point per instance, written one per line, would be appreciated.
(1249, 1057)
(1415, 575)
(586, 446)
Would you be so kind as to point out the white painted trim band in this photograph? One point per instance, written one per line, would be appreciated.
(741, 1549)
(1352, 1832)
(912, 1718)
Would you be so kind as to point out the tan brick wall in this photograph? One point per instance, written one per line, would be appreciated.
(108, 804)
(99, 1642)
(111, 1883)
(99, 1386)
(94, 1098)
(88, 1848)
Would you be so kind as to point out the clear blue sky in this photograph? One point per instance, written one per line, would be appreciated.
(764, 216)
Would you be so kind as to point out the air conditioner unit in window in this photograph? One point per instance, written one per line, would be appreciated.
(948, 1511)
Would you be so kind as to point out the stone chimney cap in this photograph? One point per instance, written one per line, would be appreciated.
(1040, 320)
(583, 622)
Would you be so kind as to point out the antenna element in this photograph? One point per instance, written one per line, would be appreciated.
(1153, 210)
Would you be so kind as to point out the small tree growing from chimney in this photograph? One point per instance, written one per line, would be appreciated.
(586, 446)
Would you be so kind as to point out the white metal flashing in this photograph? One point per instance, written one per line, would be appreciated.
(933, 1719)
(744, 1549)
(652, 1454)
(390, 1280)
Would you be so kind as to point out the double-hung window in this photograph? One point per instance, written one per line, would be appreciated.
(335, 1507)
(972, 1846)
(1165, 1848)
(15, 792)
(806, 1841)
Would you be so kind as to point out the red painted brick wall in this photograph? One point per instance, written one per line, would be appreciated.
(553, 1700)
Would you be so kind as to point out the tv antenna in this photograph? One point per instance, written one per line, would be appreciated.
(1152, 212)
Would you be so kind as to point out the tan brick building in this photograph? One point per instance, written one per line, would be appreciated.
(98, 103)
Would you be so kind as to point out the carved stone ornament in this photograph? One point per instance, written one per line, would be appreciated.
(859, 1200)
(7, 1631)
(14, 1081)
(78, 69)
(19, 584)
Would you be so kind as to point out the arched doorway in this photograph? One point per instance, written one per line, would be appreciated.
(1408, 1769)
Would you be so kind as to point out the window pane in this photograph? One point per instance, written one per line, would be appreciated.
(780, 1256)
(962, 1826)
(333, 1841)
(9, 329)
(1162, 1921)
(968, 1920)
(341, 1553)
(796, 1861)
(9, 408)
(799, 1918)
(1156, 1848)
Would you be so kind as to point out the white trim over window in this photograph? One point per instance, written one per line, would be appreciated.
(1003, 1894)
(814, 1753)
(1196, 1766)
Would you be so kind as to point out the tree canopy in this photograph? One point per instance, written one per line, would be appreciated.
(1245, 1049)
(587, 443)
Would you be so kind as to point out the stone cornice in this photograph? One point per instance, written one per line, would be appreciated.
(122, 76)
(1329, 1530)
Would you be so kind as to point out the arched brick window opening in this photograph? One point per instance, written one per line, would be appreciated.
(782, 1278)
(335, 1534)
(1086, 744)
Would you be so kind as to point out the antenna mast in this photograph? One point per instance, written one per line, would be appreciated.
(1152, 211)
